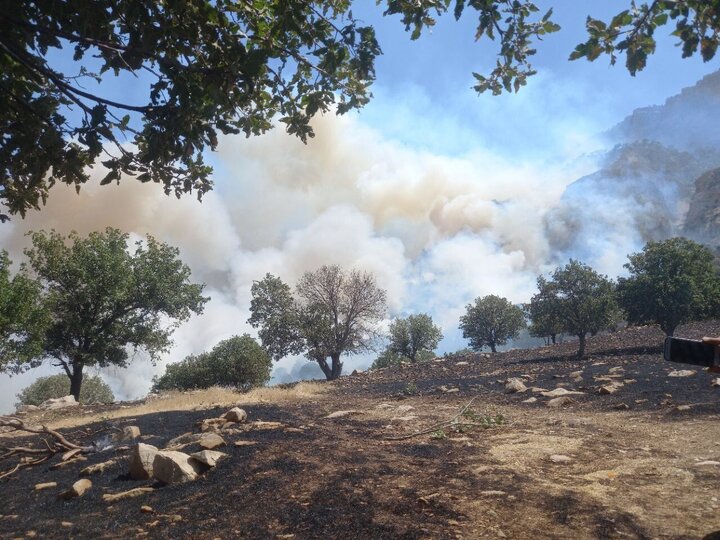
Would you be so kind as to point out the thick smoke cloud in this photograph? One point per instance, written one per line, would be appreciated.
(436, 230)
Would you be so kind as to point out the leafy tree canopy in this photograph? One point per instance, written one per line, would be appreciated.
(413, 335)
(239, 362)
(491, 321)
(671, 282)
(543, 313)
(388, 359)
(22, 317)
(221, 67)
(105, 297)
(333, 312)
(582, 300)
(94, 390)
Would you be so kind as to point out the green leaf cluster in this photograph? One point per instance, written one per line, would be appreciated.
(239, 362)
(491, 321)
(671, 282)
(413, 335)
(94, 390)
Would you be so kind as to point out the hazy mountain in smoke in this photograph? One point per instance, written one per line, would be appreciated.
(687, 121)
(645, 184)
(703, 218)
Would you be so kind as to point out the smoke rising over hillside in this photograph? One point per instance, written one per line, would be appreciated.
(436, 230)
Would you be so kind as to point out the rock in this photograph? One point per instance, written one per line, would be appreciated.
(78, 489)
(245, 443)
(145, 509)
(559, 458)
(208, 457)
(137, 492)
(629, 381)
(66, 524)
(537, 390)
(129, 433)
(405, 408)
(462, 363)
(341, 414)
(24, 409)
(682, 373)
(561, 401)
(236, 414)
(515, 385)
(59, 403)
(142, 458)
(98, 467)
(609, 388)
(716, 382)
(621, 407)
(45, 485)
(183, 440)
(408, 418)
(211, 441)
(560, 392)
(683, 408)
(212, 424)
(493, 493)
(172, 467)
(616, 369)
(530, 400)
(576, 374)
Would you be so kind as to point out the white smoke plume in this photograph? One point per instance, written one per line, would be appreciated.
(436, 230)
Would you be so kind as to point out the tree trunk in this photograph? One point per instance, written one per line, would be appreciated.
(493, 348)
(76, 381)
(336, 367)
(553, 337)
(581, 350)
(325, 368)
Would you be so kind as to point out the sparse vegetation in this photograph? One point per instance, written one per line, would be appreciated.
(94, 390)
(491, 321)
(671, 282)
(238, 362)
(334, 313)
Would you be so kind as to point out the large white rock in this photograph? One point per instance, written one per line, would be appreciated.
(59, 403)
(211, 441)
(142, 458)
(558, 392)
(236, 414)
(171, 467)
(515, 385)
(208, 457)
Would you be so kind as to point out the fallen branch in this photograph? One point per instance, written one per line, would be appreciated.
(431, 429)
(58, 444)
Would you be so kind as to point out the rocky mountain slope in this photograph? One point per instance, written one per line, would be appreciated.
(655, 182)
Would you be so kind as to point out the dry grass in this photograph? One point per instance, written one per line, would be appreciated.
(192, 400)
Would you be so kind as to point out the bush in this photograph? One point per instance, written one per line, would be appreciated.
(239, 362)
(390, 359)
(491, 321)
(94, 390)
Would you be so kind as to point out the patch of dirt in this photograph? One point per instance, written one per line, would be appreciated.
(630, 472)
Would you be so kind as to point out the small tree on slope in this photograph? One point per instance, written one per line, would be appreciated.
(491, 321)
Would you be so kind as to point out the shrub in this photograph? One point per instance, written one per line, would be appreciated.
(94, 390)
(239, 362)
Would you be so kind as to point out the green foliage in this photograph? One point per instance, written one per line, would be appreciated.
(23, 317)
(390, 359)
(671, 282)
(225, 67)
(94, 390)
(544, 318)
(410, 389)
(632, 32)
(333, 313)
(490, 322)
(413, 335)
(239, 362)
(104, 297)
(583, 301)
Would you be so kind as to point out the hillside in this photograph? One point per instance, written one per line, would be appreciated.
(640, 462)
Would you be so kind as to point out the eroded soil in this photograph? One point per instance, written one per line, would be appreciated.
(638, 467)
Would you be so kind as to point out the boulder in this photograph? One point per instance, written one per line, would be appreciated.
(610, 388)
(183, 440)
(212, 424)
(514, 386)
(559, 458)
(129, 433)
(59, 403)
(682, 373)
(560, 392)
(171, 467)
(211, 441)
(561, 401)
(78, 489)
(236, 414)
(142, 458)
(208, 457)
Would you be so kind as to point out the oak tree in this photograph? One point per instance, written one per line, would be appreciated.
(491, 321)
(413, 335)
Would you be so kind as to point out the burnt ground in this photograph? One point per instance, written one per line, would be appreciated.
(638, 465)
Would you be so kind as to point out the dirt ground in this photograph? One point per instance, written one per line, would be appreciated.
(624, 465)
